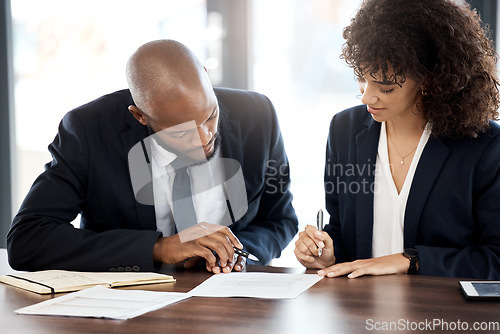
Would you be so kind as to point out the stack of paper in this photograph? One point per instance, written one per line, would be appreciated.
(101, 302)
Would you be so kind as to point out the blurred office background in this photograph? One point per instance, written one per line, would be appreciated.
(60, 54)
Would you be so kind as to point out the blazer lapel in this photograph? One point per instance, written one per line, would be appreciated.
(366, 148)
(136, 134)
(231, 143)
(428, 169)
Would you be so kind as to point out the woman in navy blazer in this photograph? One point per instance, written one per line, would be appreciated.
(412, 177)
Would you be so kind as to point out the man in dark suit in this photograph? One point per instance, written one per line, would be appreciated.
(90, 175)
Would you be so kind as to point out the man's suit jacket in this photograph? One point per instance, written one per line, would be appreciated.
(89, 174)
(453, 211)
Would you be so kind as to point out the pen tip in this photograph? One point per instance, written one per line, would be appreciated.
(253, 258)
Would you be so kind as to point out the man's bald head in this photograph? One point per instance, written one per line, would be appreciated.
(164, 69)
(174, 99)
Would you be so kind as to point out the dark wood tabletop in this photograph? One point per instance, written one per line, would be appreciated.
(388, 304)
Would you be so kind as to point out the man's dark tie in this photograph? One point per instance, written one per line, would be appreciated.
(184, 214)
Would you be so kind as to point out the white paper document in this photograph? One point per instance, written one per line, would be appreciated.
(101, 302)
(256, 285)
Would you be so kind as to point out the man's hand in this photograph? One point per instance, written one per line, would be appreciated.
(307, 246)
(238, 264)
(384, 265)
(214, 243)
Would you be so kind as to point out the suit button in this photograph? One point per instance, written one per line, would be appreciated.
(127, 268)
(112, 269)
(136, 268)
(120, 269)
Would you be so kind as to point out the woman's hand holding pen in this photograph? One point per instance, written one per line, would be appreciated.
(307, 247)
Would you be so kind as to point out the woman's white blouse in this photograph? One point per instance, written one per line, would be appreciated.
(388, 206)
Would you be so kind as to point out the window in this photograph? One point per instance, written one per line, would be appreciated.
(67, 53)
(297, 44)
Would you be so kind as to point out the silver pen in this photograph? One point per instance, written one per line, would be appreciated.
(245, 254)
(319, 223)
(238, 251)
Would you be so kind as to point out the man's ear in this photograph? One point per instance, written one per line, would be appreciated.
(138, 114)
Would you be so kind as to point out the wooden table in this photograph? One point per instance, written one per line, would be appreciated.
(339, 305)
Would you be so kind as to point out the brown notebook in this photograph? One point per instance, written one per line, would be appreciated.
(55, 281)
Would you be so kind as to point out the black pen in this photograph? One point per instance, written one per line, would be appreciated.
(319, 222)
(245, 254)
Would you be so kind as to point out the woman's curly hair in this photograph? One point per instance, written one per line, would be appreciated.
(439, 44)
